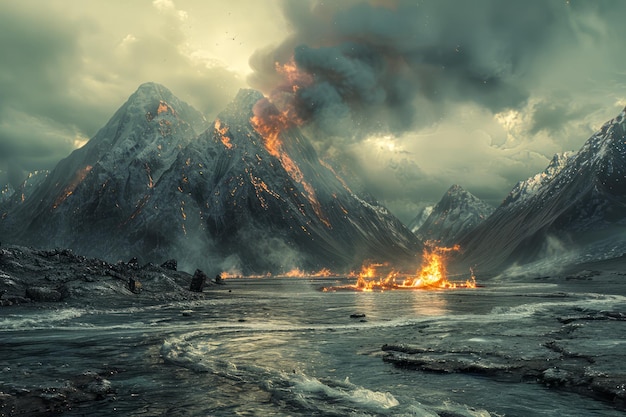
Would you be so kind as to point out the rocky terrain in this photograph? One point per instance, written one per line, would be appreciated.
(29, 275)
(248, 191)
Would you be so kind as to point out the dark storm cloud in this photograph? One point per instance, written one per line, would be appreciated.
(37, 56)
(369, 63)
(67, 66)
(552, 114)
(481, 93)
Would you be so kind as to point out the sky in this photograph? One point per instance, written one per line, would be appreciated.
(413, 96)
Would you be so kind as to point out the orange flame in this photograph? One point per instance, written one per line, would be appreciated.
(293, 273)
(431, 275)
(222, 131)
(292, 75)
(270, 123)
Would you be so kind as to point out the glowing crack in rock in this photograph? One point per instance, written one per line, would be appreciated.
(222, 130)
(69, 190)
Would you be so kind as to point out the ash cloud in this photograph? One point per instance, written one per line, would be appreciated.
(370, 63)
(479, 93)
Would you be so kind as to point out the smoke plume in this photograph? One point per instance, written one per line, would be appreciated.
(369, 63)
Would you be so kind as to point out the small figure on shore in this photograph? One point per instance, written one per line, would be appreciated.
(218, 279)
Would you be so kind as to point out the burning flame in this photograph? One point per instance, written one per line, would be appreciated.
(164, 108)
(148, 172)
(293, 273)
(432, 275)
(292, 76)
(270, 123)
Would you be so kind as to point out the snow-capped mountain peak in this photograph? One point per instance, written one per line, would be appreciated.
(525, 189)
(238, 195)
(457, 213)
(579, 202)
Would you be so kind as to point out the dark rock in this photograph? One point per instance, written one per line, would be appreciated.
(170, 264)
(218, 279)
(198, 281)
(134, 286)
(43, 294)
(133, 263)
(18, 300)
(357, 315)
(46, 401)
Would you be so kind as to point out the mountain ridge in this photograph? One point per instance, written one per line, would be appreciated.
(239, 195)
(577, 214)
(456, 214)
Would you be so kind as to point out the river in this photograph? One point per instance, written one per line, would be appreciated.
(283, 347)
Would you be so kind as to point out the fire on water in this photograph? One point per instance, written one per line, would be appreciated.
(432, 275)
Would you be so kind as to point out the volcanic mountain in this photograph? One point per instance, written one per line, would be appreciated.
(575, 210)
(456, 214)
(247, 194)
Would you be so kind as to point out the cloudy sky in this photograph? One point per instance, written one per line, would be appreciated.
(414, 95)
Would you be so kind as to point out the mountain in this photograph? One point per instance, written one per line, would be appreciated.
(90, 198)
(420, 218)
(270, 204)
(6, 192)
(457, 213)
(573, 211)
(525, 189)
(248, 194)
(10, 197)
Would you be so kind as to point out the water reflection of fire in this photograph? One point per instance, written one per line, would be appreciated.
(432, 275)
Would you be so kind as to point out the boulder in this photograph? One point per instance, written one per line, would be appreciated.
(170, 264)
(197, 281)
(43, 294)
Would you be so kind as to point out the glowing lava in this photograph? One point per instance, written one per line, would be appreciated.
(432, 275)
(79, 176)
(222, 131)
(270, 123)
(293, 273)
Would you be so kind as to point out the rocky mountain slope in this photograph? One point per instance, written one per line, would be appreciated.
(574, 211)
(456, 214)
(249, 194)
(420, 218)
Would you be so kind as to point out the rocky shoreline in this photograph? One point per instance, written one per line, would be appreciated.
(576, 351)
(30, 275)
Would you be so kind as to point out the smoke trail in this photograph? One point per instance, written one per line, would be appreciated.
(369, 63)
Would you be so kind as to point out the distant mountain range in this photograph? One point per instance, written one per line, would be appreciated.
(248, 193)
(572, 212)
(456, 214)
(243, 193)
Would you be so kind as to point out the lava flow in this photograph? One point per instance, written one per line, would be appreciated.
(270, 123)
(432, 275)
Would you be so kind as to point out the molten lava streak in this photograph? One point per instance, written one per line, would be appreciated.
(432, 275)
(270, 123)
(79, 176)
